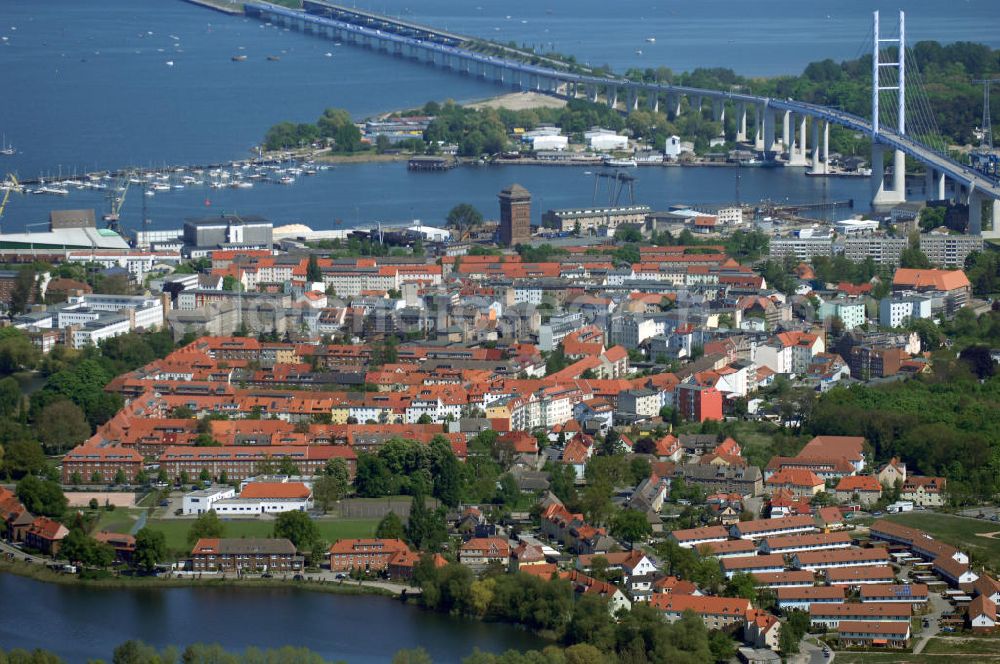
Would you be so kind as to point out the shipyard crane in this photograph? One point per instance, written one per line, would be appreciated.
(617, 181)
(116, 199)
(985, 159)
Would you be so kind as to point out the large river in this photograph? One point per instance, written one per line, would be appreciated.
(82, 623)
(86, 85)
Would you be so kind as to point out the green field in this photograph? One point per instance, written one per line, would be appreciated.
(118, 521)
(175, 530)
(966, 646)
(958, 531)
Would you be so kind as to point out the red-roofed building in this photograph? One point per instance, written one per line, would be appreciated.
(863, 489)
(722, 613)
(45, 535)
(797, 481)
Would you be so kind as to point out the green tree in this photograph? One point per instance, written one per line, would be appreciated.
(426, 528)
(120, 477)
(207, 526)
(299, 528)
(42, 497)
(10, 397)
(390, 527)
(313, 272)
(463, 217)
(150, 549)
(328, 489)
(631, 526)
(742, 585)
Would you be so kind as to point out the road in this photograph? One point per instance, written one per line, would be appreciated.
(939, 606)
(21, 556)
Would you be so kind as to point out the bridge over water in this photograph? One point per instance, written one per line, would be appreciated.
(795, 119)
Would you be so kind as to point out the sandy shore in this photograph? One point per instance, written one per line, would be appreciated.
(520, 101)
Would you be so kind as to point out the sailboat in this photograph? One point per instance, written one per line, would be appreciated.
(6, 148)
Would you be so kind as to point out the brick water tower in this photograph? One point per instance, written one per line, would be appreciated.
(515, 215)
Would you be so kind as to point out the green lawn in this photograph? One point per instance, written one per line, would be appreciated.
(958, 531)
(963, 645)
(117, 521)
(176, 530)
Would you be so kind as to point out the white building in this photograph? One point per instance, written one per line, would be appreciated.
(549, 142)
(672, 147)
(104, 326)
(605, 139)
(143, 312)
(851, 312)
(199, 502)
(897, 310)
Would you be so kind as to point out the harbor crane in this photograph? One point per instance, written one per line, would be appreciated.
(617, 181)
(116, 199)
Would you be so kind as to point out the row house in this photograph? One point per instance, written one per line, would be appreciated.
(867, 634)
(826, 469)
(982, 614)
(790, 579)
(831, 615)
(919, 542)
(812, 542)
(728, 548)
(693, 538)
(765, 528)
(852, 557)
(798, 482)
(914, 594)
(856, 577)
(762, 630)
(753, 564)
(957, 574)
(804, 597)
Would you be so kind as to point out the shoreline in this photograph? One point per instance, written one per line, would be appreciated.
(45, 575)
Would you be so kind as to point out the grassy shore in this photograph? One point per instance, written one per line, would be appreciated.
(40, 573)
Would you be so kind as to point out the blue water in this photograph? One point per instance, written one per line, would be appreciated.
(84, 85)
(752, 37)
(361, 194)
(81, 624)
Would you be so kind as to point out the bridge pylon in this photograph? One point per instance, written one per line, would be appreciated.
(882, 195)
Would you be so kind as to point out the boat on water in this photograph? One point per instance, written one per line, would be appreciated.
(6, 148)
(621, 163)
(651, 40)
(55, 191)
(273, 58)
(161, 187)
(239, 58)
(287, 180)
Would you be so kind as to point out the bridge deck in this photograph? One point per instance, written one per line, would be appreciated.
(960, 173)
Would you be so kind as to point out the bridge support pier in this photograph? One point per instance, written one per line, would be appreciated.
(995, 216)
(613, 96)
(632, 99)
(769, 134)
(976, 213)
(934, 185)
(654, 101)
(820, 155)
(797, 148)
(674, 105)
(718, 111)
(881, 195)
(741, 123)
(786, 130)
(758, 120)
